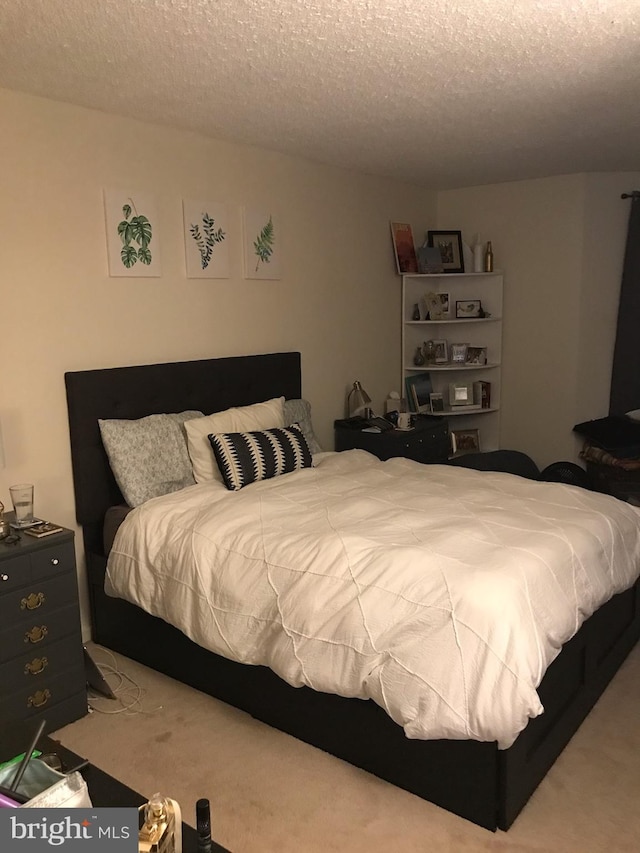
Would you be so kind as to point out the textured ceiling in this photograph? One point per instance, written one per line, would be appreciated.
(446, 93)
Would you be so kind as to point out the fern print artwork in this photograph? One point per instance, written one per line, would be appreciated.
(261, 245)
(206, 238)
(132, 239)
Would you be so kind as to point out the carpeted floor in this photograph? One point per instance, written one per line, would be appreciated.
(270, 792)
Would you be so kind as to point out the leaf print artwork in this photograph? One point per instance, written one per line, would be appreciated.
(133, 237)
(262, 237)
(138, 230)
(264, 244)
(206, 242)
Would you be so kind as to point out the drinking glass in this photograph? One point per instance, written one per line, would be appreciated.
(22, 498)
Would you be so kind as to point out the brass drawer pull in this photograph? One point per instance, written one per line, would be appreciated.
(39, 698)
(32, 601)
(36, 634)
(36, 666)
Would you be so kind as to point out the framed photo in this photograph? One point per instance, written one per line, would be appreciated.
(469, 309)
(404, 248)
(436, 401)
(429, 260)
(441, 352)
(461, 394)
(465, 441)
(419, 390)
(459, 353)
(450, 245)
(476, 355)
(437, 306)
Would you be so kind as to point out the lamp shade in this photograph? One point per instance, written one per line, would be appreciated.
(358, 400)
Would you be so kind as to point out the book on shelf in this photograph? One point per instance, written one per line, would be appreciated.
(482, 394)
(44, 529)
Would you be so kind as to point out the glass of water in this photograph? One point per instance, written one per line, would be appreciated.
(22, 498)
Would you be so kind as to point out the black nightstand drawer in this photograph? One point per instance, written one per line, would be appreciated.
(57, 558)
(38, 600)
(35, 698)
(37, 633)
(14, 572)
(37, 665)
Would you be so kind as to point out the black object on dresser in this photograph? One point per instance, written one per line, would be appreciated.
(41, 654)
(427, 441)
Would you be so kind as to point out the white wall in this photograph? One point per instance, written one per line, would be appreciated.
(560, 242)
(338, 301)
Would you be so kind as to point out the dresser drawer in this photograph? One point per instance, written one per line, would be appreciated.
(37, 600)
(14, 572)
(38, 633)
(54, 560)
(36, 666)
(32, 699)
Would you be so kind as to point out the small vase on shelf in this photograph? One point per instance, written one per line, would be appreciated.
(418, 358)
(416, 312)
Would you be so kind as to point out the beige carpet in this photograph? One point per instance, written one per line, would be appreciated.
(270, 792)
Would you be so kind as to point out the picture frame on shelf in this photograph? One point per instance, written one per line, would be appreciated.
(458, 353)
(476, 355)
(449, 244)
(404, 248)
(465, 441)
(440, 352)
(436, 402)
(437, 306)
(429, 260)
(419, 389)
(461, 396)
(469, 309)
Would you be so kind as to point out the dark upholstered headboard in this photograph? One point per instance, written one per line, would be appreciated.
(210, 385)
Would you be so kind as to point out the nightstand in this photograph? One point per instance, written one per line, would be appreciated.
(41, 652)
(427, 442)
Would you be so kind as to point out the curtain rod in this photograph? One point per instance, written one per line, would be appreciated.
(633, 194)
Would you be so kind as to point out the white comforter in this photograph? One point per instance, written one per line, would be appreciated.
(441, 593)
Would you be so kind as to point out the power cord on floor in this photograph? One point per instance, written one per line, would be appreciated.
(129, 694)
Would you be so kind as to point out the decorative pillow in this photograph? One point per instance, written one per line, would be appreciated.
(246, 457)
(299, 412)
(148, 456)
(239, 419)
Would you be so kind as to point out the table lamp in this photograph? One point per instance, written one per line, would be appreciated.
(358, 400)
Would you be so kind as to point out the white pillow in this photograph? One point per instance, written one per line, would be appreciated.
(259, 416)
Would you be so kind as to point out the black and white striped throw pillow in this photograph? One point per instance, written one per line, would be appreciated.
(246, 457)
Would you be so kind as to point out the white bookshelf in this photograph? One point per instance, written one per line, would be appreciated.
(476, 332)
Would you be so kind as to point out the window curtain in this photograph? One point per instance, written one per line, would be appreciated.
(625, 374)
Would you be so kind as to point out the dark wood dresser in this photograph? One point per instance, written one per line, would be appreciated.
(42, 671)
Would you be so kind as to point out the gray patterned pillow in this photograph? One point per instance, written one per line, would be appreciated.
(148, 456)
(299, 412)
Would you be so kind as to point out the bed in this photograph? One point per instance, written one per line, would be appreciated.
(473, 778)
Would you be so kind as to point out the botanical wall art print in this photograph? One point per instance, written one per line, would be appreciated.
(206, 239)
(132, 233)
(262, 241)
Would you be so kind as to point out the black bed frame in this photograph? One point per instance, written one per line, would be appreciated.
(472, 779)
